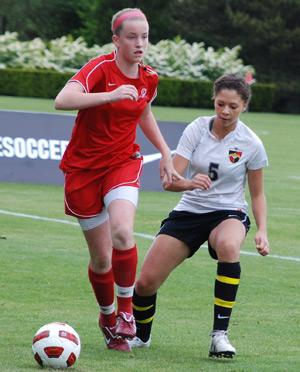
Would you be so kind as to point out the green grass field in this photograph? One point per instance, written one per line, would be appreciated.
(44, 273)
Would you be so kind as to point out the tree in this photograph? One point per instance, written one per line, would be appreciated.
(268, 31)
(13, 15)
(38, 18)
(96, 18)
(203, 20)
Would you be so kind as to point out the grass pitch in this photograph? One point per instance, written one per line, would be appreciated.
(44, 276)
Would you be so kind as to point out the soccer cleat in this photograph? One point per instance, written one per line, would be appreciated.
(125, 326)
(136, 342)
(220, 346)
(114, 341)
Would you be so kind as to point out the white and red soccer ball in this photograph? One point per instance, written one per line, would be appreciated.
(56, 345)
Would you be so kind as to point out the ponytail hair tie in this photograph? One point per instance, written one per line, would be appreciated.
(249, 79)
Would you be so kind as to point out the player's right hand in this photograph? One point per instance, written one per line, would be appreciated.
(200, 181)
(125, 91)
(262, 243)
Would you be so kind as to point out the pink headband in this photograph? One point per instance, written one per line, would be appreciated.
(127, 15)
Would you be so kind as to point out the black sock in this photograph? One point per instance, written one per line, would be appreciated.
(143, 311)
(226, 287)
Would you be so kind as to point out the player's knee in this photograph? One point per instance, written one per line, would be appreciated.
(146, 285)
(228, 250)
(122, 237)
(100, 264)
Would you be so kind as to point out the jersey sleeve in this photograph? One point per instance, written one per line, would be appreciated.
(153, 83)
(153, 96)
(88, 75)
(153, 91)
(259, 158)
(189, 140)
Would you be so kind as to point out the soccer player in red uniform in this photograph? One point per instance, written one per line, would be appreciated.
(102, 165)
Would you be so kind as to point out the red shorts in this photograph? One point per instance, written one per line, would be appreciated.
(85, 189)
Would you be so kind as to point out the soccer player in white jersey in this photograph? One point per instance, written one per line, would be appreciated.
(218, 154)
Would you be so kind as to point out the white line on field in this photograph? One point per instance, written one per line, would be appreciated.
(40, 112)
(263, 132)
(33, 217)
(294, 178)
(145, 236)
(283, 211)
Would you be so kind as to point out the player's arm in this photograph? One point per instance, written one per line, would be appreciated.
(200, 181)
(151, 130)
(74, 97)
(259, 208)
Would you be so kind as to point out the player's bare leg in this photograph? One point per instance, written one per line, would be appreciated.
(227, 239)
(100, 247)
(165, 254)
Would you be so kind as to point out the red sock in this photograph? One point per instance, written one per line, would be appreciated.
(124, 263)
(103, 286)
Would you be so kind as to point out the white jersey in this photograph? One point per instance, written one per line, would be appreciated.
(226, 161)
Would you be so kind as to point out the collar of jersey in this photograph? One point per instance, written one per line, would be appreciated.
(229, 136)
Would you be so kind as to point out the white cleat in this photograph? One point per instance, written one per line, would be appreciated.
(220, 346)
(136, 342)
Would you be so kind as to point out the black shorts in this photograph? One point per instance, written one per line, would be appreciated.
(193, 229)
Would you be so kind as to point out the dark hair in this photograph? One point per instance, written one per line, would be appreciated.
(233, 82)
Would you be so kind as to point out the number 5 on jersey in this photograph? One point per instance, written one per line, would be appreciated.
(212, 171)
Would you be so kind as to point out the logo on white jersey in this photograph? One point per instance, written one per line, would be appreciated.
(234, 155)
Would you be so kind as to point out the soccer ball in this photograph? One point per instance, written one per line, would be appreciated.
(56, 345)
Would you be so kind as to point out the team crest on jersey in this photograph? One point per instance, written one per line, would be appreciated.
(234, 155)
(143, 93)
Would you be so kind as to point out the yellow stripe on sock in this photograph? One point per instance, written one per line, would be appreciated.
(141, 308)
(223, 303)
(145, 321)
(227, 280)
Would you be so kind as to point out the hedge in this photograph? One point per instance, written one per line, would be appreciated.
(287, 97)
(171, 92)
(174, 92)
(32, 83)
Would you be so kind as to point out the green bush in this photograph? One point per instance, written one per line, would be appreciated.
(184, 93)
(171, 91)
(262, 97)
(287, 97)
(32, 83)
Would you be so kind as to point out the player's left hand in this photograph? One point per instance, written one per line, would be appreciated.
(167, 170)
(262, 243)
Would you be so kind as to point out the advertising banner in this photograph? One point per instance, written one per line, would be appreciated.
(32, 144)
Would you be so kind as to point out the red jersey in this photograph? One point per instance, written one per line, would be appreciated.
(104, 135)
